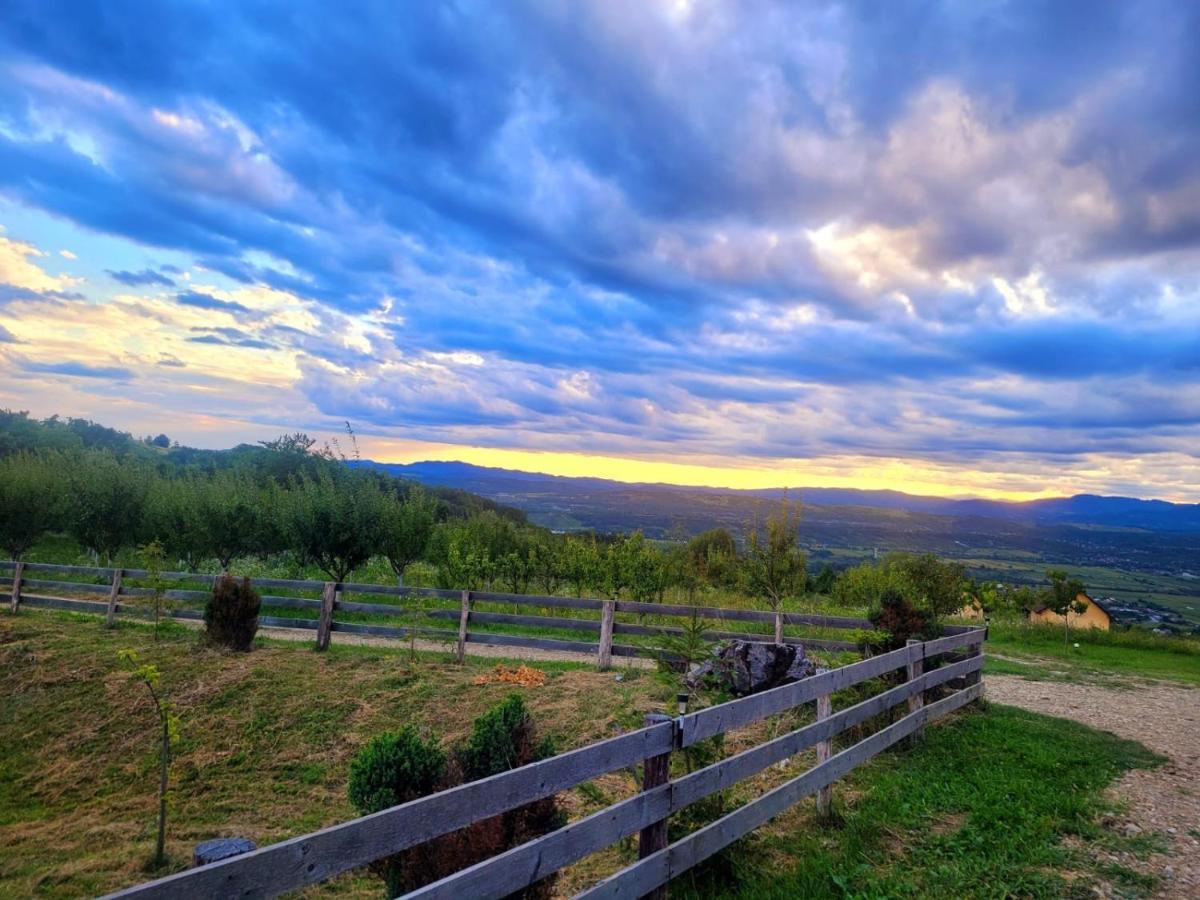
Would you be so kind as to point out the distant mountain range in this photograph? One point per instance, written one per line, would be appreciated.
(567, 502)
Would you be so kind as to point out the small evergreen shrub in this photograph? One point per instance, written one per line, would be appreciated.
(397, 767)
(231, 614)
(503, 738)
(394, 768)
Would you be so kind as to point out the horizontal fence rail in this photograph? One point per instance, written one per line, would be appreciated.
(312, 858)
(27, 584)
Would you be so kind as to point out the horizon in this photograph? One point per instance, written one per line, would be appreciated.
(952, 252)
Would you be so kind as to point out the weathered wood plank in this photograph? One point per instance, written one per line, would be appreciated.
(950, 642)
(647, 874)
(736, 713)
(535, 600)
(743, 615)
(491, 618)
(284, 622)
(70, 587)
(304, 860)
(439, 634)
(662, 630)
(289, 602)
(397, 590)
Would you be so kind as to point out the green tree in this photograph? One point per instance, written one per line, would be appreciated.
(580, 563)
(106, 503)
(148, 675)
(31, 496)
(1062, 596)
(405, 529)
(229, 509)
(333, 519)
(172, 518)
(775, 567)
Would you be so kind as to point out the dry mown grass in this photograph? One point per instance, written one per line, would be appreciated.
(266, 740)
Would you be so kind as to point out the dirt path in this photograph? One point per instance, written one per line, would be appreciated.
(1164, 718)
(493, 651)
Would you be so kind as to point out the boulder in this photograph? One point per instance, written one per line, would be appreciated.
(221, 848)
(748, 667)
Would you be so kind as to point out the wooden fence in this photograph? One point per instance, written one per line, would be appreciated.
(301, 861)
(461, 608)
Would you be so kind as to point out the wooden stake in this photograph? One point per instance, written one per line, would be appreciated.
(916, 668)
(114, 597)
(778, 627)
(604, 657)
(464, 614)
(18, 573)
(325, 620)
(656, 771)
(824, 751)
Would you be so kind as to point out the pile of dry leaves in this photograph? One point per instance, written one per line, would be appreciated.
(522, 675)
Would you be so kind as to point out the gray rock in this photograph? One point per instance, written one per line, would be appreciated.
(748, 667)
(221, 848)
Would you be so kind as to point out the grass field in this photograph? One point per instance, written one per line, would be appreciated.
(1038, 652)
(993, 801)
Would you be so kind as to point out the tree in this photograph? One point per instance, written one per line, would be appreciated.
(229, 510)
(106, 503)
(160, 440)
(825, 580)
(1062, 597)
(31, 493)
(333, 519)
(405, 529)
(775, 566)
(938, 587)
(172, 518)
(579, 560)
(168, 734)
(544, 565)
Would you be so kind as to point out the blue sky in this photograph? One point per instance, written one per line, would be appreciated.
(948, 248)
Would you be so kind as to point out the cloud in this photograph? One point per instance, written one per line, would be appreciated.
(146, 277)
(7, 337)
(770, 232)
(80, 370)
(207, 301)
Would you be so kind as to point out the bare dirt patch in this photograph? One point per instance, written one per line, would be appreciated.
(1166, 719)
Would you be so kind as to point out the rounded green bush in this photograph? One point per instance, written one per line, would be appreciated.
(393, 768)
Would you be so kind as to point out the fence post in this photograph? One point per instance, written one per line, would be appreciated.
(325, 620)
(114, 597)
(973, 650)
(778, 627)
(824, 751)
(18, 573)
(916, 668)
(464, 613)
(604, 657)
(656, 771)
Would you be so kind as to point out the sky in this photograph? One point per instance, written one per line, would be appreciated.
(945, 248)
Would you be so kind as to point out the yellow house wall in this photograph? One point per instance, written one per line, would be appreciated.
(1092, 617)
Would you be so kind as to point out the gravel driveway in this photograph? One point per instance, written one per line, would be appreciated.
(1164, 718)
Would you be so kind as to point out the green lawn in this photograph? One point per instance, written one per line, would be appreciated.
(1015, 817)
(1039, 653)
